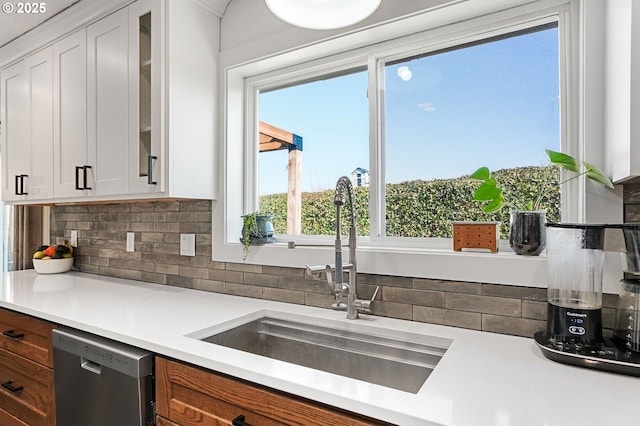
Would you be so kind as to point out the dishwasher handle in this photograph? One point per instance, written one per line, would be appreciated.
(91, 366)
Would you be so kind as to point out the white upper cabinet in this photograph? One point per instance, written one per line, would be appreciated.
(40, 96)
(622, 108)
(14, 120)
(145, 60)
(107, 103)
(71, 173)
(134, 107)
(27, 113)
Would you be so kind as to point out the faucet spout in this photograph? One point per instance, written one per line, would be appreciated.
(354, 305)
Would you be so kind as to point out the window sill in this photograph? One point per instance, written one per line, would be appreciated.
(504, 267)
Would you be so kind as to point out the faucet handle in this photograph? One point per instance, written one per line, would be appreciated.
(365, 305)
(375, 293)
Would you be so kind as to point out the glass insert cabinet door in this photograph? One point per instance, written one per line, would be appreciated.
(145, 56)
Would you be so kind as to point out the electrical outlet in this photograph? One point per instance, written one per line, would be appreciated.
(74, 238)
(187, 244)
(130, 241)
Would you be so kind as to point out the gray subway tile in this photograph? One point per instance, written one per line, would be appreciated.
(514, 326)
(534, 310)
(282, 295)
(516, 292)
(472, 320)
(448, 286)
(484, 304)
(414, 297)
(244, 290)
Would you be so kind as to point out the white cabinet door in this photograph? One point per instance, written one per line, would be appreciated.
(15, 130)
(39, 72)
(27, 114)
(145, 62)
(70, 115)
(622, 146)
(108, 102)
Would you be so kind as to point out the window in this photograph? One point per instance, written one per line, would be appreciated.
(330, 117)
(490, 102)
(575, 29)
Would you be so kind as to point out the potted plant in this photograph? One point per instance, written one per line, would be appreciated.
(257, 228)
(527, 219)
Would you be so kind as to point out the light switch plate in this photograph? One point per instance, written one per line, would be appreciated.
(130, 241)
(187, 244)
(74, 238)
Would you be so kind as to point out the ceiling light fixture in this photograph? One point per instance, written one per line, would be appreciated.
(322, 14)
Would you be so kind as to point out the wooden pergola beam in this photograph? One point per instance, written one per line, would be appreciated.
(274, 139)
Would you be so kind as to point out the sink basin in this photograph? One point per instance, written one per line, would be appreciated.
(399, 363)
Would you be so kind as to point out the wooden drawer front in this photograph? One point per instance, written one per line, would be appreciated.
(34, 403)
(31, 336)
(160, 421)
(193, 396)
(7, 419)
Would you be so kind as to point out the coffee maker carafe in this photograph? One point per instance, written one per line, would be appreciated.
(627, 329)
(574, 333)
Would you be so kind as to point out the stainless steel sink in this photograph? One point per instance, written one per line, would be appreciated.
(399, 363)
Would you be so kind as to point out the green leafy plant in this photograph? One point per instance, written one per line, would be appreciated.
(249, 229)
(493, 195)
(256, 229)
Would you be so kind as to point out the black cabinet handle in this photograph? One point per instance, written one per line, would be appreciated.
(84, 175)
(22, 184)
(8, 385)
(12, 335)
(150, 159)
(239, 421)
(78, 187)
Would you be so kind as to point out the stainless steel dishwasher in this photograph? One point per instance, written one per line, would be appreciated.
(99, 382)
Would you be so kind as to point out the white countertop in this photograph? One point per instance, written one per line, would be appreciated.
(483, 378)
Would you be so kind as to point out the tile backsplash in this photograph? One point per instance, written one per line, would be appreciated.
(157, 226)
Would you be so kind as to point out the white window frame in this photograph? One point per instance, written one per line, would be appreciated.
(580, 25)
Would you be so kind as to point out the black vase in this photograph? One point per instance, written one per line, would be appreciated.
(527, 234)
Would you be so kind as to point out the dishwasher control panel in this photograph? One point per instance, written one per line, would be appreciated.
(117, 356)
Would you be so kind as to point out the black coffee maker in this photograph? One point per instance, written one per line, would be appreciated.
(574, 333)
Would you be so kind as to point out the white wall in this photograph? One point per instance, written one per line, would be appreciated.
(250, 31)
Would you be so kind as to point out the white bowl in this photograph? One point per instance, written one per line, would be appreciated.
(52, 266)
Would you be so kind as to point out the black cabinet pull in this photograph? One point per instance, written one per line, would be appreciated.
(78, 187)
(22, 184)
(239, 421)
(12, 335)
(84, 175)
(150, 159)
(8, 385)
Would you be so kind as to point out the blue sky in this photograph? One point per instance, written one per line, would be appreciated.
(494, 104)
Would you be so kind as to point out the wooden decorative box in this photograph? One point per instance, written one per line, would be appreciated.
(476, 235)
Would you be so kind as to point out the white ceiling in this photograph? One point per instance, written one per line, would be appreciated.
(13, 24)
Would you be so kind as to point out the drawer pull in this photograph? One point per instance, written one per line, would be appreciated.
(8, 385)
(239, 421)
(11, 334)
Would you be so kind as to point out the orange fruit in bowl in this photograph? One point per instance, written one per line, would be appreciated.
(49, 251)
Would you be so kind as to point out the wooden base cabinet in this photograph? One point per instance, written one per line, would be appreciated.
(26, 371)
(190, 396)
